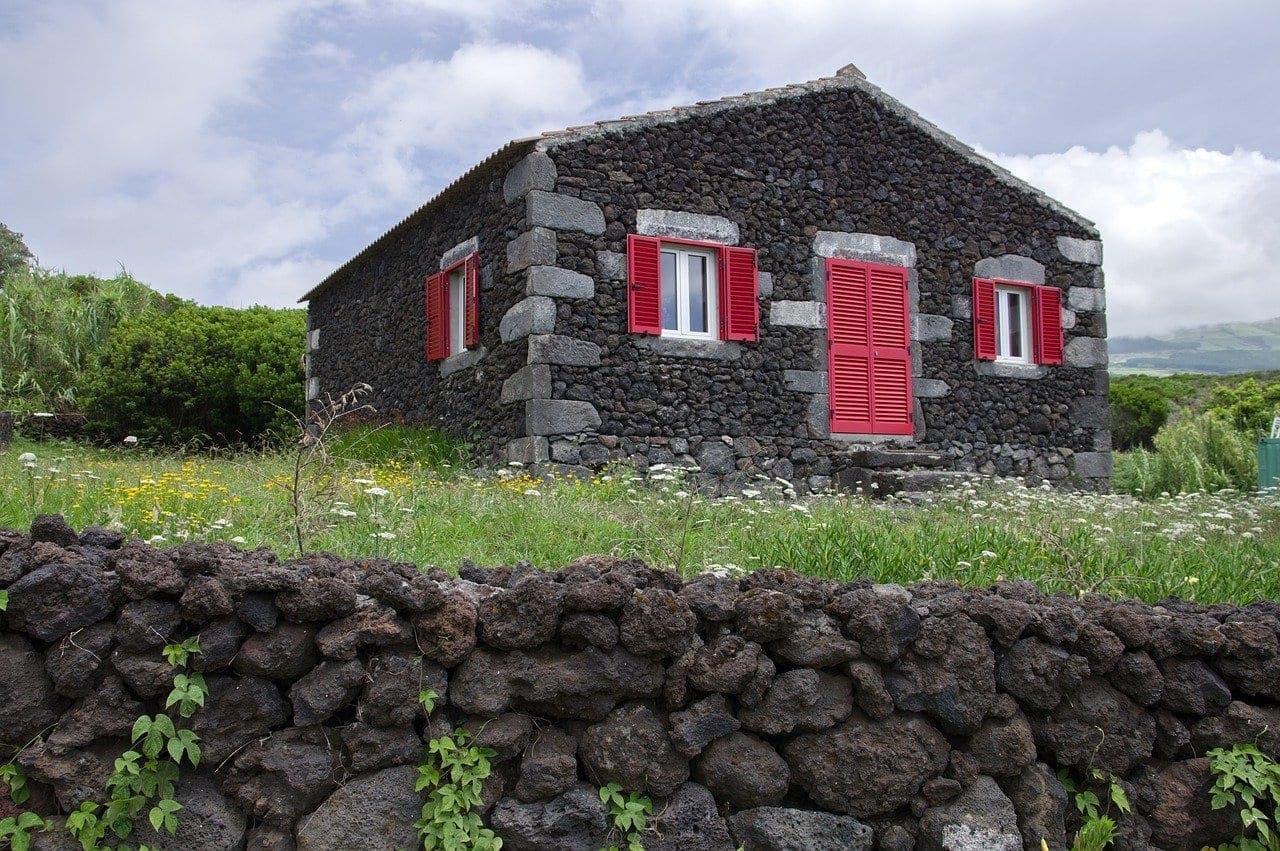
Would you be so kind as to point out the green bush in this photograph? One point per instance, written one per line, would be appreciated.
(1199, 453)
(53, 325)
(1137, 413)
(1249, 406)
(207, 374)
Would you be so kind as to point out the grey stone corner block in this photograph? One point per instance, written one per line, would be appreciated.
(563, 212)
(534, 247)
(558, 283)
(930, 388)
(562, 351)
(686, 225)
(460, 252)
(805, 380)
(1085, 352)
(1080, 250)
(559, 416)
(992, 369)
(611, 265)
(528, 450)
(1087, 299)
(1092, 465)
(798, 314)
(871, 247)
(535, 171)
(1010, 267)
(818, 416)
(930, 328)
(1069, 319)
(677, 347)
(764, 282)
(533, 315)
(961, 307)
(462, 360)
(528, 382)
(313, 340)
(313, 389)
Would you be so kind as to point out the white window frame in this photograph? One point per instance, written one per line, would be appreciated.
(457, 278)
(682, 253)
(1004, 341)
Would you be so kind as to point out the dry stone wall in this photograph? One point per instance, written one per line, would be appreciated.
(767, 711)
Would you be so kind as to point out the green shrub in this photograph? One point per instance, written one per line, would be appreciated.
(199, 374)
(1137, 413)
(53, 325)
(1249, 406)
(1200, 453)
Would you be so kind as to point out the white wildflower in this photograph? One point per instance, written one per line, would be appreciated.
(377, 491)
(130, 440)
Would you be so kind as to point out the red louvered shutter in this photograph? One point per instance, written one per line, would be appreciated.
(437, 316)
(848, 348)
(1048, 325)
(984, 319)
(472, 270)
(739, 295)
(869, 352)
(891, 400)
(644, 284)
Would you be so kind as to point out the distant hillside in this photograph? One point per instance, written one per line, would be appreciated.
(1219, 349)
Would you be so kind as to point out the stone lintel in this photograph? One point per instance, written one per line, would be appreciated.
(682, 225)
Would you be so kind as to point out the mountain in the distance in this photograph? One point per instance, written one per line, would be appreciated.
(1220, 349)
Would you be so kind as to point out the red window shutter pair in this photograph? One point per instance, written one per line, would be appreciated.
(439, 309)
(869, 351)
(738, 295)
(1046, 320)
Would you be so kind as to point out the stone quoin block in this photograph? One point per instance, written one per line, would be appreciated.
(927, 328)
(534, 247)
(529, 382)
(1087, 299)
(528, 450)
(805, 380)
(1092, 465)
(533, 315)
(535, 171)
(460, 252)
(563, 351)
(676, 223)
(563, 212)
(558, 283)
(611, 265)
(1080, 250)
(930, 388)
(1085, 352)
(875, 248)
(559, 416)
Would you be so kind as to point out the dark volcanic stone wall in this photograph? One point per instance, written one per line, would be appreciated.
(783, 171)
(372, 319)
(767, 711)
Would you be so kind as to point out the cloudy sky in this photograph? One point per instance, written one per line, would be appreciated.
(237, 152)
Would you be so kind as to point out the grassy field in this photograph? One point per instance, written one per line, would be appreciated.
(402, 498)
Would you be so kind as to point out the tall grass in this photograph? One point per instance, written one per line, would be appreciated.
(1203, 452)
(53, 324)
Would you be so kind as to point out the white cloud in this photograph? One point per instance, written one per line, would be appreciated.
(1192, 236)
(278, 284)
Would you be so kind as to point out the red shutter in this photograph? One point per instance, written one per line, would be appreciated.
(869, 352)
(891, 400)
(739, 295)
(984, 319)
(1048, 325)
(644, 284)
(437, 316)
(473, 301)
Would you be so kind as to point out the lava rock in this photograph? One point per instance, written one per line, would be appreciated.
(687, 821)
(369, 626)
(284, 653)
(394, 680)
(522, 617)
(371, 748)
(981, 819)
(743, 771)
(782, 829)
(949, 674)
(800, 699)
(28, 704)
(867, 768)
(447, 634)
(548, 767)
(326, 689)
(702, 723)
(631, 748)
(1097, 727)
(656, 623)
(236, 712)
(1039, 674)
(56, 599)
(574, 821)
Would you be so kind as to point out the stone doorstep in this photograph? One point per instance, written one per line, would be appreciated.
(879, 459)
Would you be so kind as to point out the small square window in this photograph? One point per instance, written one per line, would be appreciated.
(457, 310)
(689, 292)
(1013, 324)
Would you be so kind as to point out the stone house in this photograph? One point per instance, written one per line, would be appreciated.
(809, 282)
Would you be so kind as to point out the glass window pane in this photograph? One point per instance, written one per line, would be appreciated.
(698, 319)
(1015, 325)
(670, 315)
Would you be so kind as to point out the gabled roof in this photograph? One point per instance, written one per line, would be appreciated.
(848, 77)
